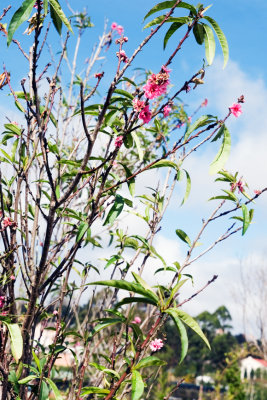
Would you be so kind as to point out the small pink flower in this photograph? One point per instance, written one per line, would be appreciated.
(137, 320)
(166, 111)
(55, 312)
(118, 141)
(8, 222)
(157, 84)
(156, 344)
(2, 301)
(114, 25)
(122, 55)
(189, 119)
(204, 103)
(12, 277)
(165, 69)
(257, 192)
(99, 75)
(120, 29)
(115, 164)
(236, 110)
(145, 114)
(14, 123)
(240, 186)
(4, 313)
(138, 105)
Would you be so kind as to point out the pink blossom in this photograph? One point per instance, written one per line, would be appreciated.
(115, 164)
(204, 103)
(138, 105)
(4, 313)
(145, 114)
(8, 222)
(157, 84)
(2, 301)
(114, 25)
(12, 277)
(156, 344)
(189, 119)
(118, 141)
(257, 192)
(120, 29)
(14, 123)
(99, 75)
(240, 186)
(236, 110)
(166, 111)
(36, 5)
(122, 55)
(137, 320)
(55, 312)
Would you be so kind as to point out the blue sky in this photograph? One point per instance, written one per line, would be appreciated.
(244, 24)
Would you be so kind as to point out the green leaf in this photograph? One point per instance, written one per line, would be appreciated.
(27, 379)
(246, 218)
(158, 20)
(124, 93)
(137, 385)
(201, 121)
(223, 153)
(104, 369)
(129, 300)
(102, 325)
(221, 37)
(115, 210)
(37, 362)
(173, 28)
(188, 187)
(56, 20)
(13, 128)
(130, 286)
(151, 361)
(183, 236)
(164, 163)
(16, 340)
(169, 4)
(141, 282)
(189, 321)
(58, 10)
(130, 182)
(209, 43)
(199, 33)
(92, 389)
(21, 15)
(182, 331)
(84, 226)
(138, 145)
(54, 387)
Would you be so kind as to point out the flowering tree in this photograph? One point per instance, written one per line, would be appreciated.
(63, 194)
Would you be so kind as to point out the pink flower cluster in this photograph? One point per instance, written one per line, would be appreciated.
(144, 112)
(122, 55)
(118, 142)
(2, 301)
(236, 110)
(8, 222)
(118, 28)
(137, 320)
(156, 344)
(166, 110)
(157, 84)
(239, 185)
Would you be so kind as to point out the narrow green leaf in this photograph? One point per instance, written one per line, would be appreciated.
(115, 210)
(246, 218)
(84, 226)
(151, 361)
(27, 379)
(188, 187)
(60, 13)
(102, 325)
(183, 236)
(129, 300)
(182, 331)
(13, 128)
(138, 145)
(137, 385)
(141, 282)
(223, 153)
(159, 19)
(199, 33)
(37, 362)
(173, 28)
(164, 163)
(92, 389)
(104, 369)
(189, 321)
(209, 43)
(130, 182)
(16, 340)
(54, 388)
(21, 15)
(169, 4)
(56, 20)
(201, 121)
(124, 93)
(221, 37)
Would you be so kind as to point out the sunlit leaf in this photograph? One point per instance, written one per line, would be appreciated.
(188, 187)
(246, 218)
(183, 236)
(58, 10)
(151, 361)
(115, 210)
(173, 28)
(21, 15)
(182, 332)
(137, 385)
(16, 340)
(169, 4)
(223, 153)
(209, 43)
(221, 37)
